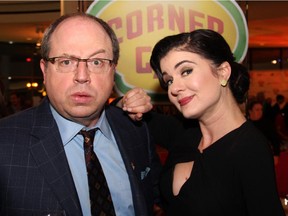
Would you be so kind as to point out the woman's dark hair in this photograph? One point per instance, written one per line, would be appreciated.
(210, 45)
(45, 45)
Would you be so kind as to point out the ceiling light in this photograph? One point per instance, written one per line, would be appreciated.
(39, 31)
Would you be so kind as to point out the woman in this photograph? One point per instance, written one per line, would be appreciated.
(217, 173)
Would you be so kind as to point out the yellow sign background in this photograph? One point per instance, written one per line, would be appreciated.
(140, 24)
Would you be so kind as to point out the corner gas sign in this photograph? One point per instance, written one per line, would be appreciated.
(140, 24)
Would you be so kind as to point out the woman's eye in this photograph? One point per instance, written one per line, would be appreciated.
(167, 80)
(186, 72)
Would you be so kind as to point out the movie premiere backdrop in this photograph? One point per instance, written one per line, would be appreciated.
(140, 24)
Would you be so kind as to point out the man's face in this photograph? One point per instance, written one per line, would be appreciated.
(256, 112)
(79, 95)
(14, 99)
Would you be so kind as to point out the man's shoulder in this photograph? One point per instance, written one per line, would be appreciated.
(113, 113)
(120, 119)
(25, 118)
(24, 114)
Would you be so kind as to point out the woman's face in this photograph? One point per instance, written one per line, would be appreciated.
(193, 84)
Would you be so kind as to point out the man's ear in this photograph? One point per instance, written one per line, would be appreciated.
(43, 69)
(224, 72)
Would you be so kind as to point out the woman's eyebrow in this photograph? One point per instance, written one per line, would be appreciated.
(182, 62)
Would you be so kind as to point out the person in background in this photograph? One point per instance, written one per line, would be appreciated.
(255, 115)
(3, 106)
(280, 105)
(216, 174)
(280, 119)
(267, 109)
(42, 165)
(15, 102)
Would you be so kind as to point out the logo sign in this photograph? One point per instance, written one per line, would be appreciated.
(139, 25)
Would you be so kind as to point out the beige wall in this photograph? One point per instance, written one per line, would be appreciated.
(73, 6)
(271, 83)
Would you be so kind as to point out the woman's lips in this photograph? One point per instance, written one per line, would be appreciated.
(185, 100)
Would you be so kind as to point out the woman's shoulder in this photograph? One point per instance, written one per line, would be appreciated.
(248, 138)
(248, 131)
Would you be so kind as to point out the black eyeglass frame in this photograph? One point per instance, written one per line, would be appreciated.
(52, 59)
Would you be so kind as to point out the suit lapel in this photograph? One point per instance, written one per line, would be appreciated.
(126, 140)
(48, 151)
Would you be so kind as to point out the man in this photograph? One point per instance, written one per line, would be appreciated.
(42, 161)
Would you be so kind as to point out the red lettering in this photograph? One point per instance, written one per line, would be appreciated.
(192, 17)
(176, 17)
(215, 24)
(155, 15)
(116, 23)
(181, 19)
(134, 24)
(142, 67)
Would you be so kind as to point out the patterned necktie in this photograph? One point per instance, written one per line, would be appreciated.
(100, 197)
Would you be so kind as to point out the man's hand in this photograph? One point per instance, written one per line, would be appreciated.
(136, 102)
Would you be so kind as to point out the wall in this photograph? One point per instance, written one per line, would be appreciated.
(269, 82)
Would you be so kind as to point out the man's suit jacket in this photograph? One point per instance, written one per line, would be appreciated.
(35, 178)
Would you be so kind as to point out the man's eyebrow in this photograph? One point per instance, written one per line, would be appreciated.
(94, 53)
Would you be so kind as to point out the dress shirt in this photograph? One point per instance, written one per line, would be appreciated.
(109, 156)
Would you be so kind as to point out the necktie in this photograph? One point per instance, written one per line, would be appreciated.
(100, 197)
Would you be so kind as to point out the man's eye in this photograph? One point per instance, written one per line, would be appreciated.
(97, 62)
(65, 62)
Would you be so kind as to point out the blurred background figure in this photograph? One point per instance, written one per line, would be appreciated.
(15, 102)
(280, 117)
(267, 108)
(255, 115)
(3, 105)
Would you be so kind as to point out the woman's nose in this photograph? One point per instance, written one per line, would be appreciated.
(176, 86)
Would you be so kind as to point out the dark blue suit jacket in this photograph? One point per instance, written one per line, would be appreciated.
(35, 178)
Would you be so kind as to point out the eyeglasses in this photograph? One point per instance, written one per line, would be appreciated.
(70, 64)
